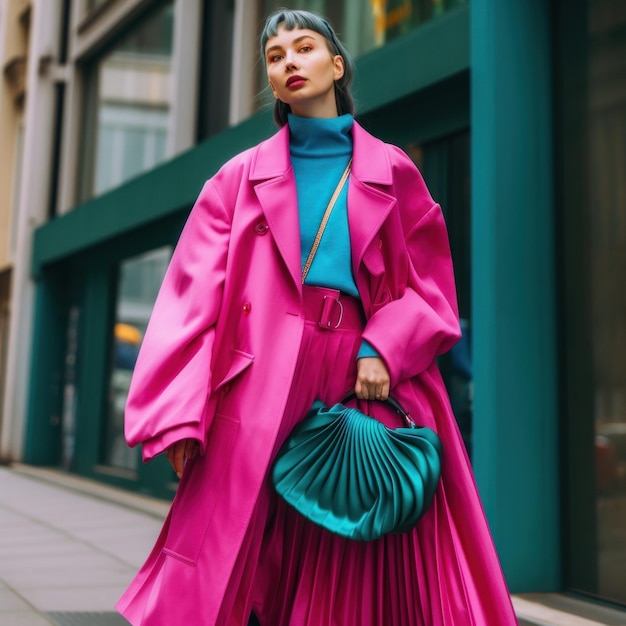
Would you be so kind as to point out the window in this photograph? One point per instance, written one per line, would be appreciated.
(92, 5)
(216, 71)
(139, 280)
(591, 95)
(128, 102)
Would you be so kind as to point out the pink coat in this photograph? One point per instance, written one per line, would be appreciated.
(219, 354)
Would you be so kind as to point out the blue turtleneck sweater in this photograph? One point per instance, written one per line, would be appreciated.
(320, 150)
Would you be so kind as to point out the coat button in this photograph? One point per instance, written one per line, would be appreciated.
(226, 388)
(261, 228)
(246, 308)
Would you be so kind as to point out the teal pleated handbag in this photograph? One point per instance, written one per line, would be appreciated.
(356, 477)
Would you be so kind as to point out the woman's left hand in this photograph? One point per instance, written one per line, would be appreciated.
(178, 453)
(372, 379)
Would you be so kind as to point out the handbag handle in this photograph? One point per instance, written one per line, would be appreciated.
(392, 402)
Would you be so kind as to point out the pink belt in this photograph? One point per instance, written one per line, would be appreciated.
(331, 309)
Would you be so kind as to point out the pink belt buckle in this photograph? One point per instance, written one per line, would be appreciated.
(326, 315)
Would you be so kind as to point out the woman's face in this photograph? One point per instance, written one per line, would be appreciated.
(302, 72)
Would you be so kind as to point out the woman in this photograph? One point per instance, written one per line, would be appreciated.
(238, 349)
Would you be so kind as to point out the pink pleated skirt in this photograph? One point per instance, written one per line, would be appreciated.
(291, 572)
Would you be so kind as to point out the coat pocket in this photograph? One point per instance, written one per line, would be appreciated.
(199, 489)
(375, 264)
(240, 361)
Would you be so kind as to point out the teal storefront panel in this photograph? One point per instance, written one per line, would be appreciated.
(516, 454)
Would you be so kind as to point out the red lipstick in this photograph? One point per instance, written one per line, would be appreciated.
(295, 81)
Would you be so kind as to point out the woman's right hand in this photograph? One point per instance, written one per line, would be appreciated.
(372, 379)
(181, 451)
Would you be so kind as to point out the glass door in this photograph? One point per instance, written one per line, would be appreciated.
(591, 157)
(139, 279)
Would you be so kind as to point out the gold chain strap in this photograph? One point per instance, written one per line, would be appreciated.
(320, 231)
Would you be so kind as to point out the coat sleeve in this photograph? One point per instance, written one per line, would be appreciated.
(422, 322)
(170, 387)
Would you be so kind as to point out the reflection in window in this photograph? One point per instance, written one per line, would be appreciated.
(393, 18)
(70, 390)
(138, 284)
(128, 104)
(606, 206)
(92, 5)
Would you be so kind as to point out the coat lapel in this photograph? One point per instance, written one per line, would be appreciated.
(274, 183)
(368, 204)
(273, 179)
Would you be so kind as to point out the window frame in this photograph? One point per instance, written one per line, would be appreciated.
(91, 39)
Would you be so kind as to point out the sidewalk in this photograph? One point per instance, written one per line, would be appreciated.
(69, 547)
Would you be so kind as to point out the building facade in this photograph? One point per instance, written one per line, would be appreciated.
(114, 112)
(14, 42)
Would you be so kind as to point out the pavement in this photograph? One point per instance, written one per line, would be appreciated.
(70, 546)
